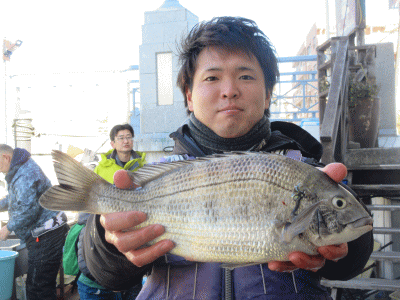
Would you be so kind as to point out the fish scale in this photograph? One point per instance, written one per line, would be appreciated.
(236, 208)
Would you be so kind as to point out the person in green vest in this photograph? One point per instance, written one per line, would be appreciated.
(122, 156)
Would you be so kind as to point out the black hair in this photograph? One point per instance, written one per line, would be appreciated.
(232, 34)
(118, 128)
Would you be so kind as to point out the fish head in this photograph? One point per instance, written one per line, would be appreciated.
(339, 218)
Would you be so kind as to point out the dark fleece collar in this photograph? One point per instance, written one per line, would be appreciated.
(210, 142)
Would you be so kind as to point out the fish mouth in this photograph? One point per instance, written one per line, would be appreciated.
(367, 221)
(354, 230)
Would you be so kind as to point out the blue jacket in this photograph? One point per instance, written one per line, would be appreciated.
(26, 182)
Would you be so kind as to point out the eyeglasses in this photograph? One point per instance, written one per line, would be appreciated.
(121, 138)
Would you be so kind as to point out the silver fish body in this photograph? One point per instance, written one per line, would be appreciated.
(237, 208)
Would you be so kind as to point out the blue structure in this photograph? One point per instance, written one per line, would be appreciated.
(295, 96)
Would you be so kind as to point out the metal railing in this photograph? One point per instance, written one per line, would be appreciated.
(295, 96)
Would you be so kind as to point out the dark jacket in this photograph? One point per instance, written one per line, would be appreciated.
(180, 279)
(26, 182)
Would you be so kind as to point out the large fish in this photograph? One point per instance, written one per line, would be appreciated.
(239, 208)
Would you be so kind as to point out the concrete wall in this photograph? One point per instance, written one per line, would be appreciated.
(161, 33)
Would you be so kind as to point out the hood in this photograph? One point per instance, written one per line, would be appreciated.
(20, 156)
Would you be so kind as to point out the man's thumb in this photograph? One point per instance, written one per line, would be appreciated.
(122, 180)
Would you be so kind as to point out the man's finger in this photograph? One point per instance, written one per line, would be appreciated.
(336, 171)
(147, 255)
(281, 266)
(304, 261)
(122, 180)
(122, 220)
(132, 240)
(334, 252)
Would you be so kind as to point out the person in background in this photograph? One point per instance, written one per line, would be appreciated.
(42, 230)
(121, 157)
(228, 72)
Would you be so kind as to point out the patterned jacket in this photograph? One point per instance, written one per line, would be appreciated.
(26, 182)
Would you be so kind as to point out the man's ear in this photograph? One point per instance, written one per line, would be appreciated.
(267, 100)
(189, 99)
(7, 157)
(112, 144)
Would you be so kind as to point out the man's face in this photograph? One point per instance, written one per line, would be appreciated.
(123, 141)
(5, 162)
(228, 93)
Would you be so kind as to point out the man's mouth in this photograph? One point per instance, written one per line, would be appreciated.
(230, 109)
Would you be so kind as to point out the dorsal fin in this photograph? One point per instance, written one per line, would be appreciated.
(151, 172)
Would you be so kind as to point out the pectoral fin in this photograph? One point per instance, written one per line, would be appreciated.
(299, 223)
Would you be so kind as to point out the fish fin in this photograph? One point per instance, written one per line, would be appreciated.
(234, 266)
(299, 223)
(151, 172)
(76, 183)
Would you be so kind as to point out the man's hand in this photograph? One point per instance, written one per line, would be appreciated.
(4, 233)
(131, 243)
(299, 260)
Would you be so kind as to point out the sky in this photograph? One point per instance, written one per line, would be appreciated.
(86, 35)
(75, 35)
(78, 35)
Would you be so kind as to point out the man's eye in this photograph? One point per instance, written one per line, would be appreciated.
(247, 77)
(211, 78)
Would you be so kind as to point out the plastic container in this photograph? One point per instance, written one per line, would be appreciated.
(7, 264)
(9, 244)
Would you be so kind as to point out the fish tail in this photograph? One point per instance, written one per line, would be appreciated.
(75, 186)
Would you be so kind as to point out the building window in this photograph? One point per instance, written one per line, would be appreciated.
(164, 79)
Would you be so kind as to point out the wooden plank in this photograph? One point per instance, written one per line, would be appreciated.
(325, 45)
(392, 256)
(376, 187)
(362, 47)
(330, 122)
(331, 112)
(355, 158)
(376, 190)
(326, 65)
(364, 284)
(383, 207)
(373, 167)
(324, 93)
(384, 230)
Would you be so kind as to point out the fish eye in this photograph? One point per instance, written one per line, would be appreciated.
(339, 203)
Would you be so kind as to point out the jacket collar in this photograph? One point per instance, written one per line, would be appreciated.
(284, 135)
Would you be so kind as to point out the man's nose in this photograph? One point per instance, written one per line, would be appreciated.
(230, 89)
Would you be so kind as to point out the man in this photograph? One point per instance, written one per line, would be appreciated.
(42, 230)
(121, 157)
(227, 76)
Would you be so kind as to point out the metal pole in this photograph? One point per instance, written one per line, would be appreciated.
(5, 102)
(328, 35)
(397, 69)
